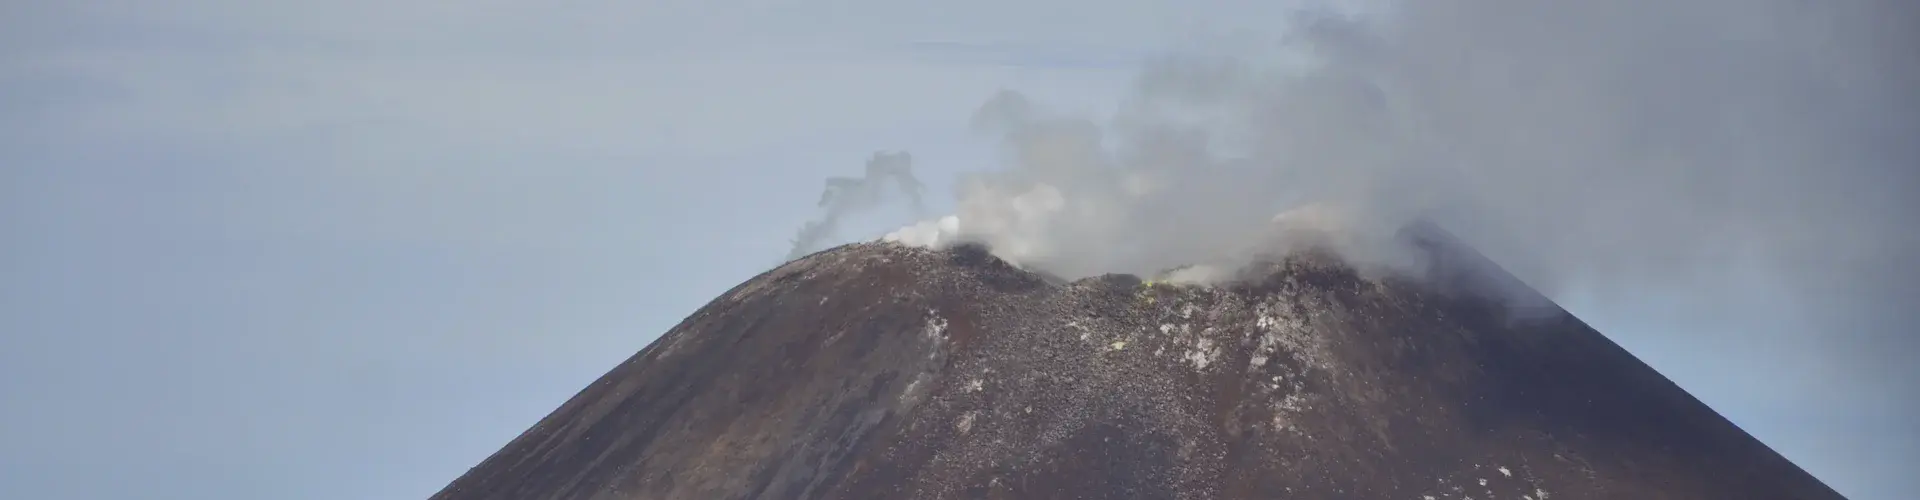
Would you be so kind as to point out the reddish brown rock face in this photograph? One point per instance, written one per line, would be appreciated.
(880, 371)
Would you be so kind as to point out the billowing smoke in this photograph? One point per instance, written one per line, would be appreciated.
(1151, 191)
(1609, 150)
(1577, 144)
(849, 195)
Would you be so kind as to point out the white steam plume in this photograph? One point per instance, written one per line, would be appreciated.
(1573, 143)
(1608, 148)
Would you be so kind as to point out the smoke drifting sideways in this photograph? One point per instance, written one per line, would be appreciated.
(1630, 140)
(848, 195)
(1608, 149)
(1633, 138)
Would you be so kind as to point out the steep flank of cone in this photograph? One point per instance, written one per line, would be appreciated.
(881, 371)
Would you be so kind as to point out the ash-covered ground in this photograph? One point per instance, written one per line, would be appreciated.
(878, 370)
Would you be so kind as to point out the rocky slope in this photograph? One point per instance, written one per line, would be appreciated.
(881, 371)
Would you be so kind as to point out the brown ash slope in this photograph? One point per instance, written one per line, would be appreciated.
(880, 371)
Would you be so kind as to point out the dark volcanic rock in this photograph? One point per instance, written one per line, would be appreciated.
(880, 371)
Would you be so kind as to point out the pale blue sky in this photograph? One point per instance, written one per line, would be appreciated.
(346, 249)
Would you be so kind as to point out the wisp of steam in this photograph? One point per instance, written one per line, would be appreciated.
(848, 195)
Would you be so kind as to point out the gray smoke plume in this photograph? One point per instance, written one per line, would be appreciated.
(1599, 142)
(848, 195)
(1614, 149)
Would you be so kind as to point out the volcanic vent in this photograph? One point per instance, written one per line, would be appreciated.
(878, 370)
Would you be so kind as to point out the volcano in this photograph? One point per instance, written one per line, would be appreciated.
(880, 371)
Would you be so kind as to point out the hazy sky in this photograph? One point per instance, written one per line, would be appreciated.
(345, 250)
